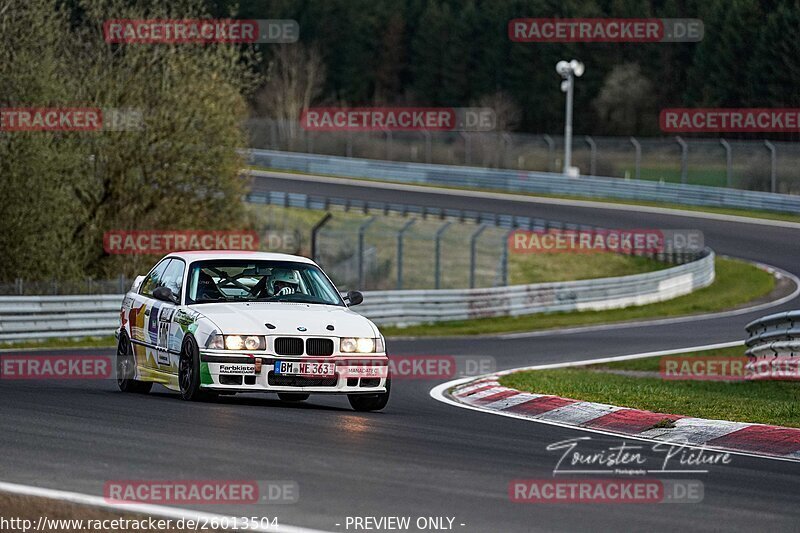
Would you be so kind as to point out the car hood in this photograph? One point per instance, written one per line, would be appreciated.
(249, 318)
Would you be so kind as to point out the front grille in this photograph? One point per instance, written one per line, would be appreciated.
(300, 381)
(289, 346)
(319, 347)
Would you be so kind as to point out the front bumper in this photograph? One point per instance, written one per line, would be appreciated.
(240, 373)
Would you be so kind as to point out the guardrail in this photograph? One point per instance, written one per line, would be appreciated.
(774, 346)
(38, 317)
(525, 181)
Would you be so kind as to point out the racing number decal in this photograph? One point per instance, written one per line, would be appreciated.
(164, 320)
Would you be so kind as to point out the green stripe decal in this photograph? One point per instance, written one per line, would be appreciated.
(205, 375)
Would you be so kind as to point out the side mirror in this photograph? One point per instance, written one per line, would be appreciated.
(354, 298)
(165, 294)
(137, 283)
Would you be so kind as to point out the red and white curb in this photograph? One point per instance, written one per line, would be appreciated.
(486, 394)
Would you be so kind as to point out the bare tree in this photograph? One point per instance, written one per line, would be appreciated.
(626, 101)
(295, 79)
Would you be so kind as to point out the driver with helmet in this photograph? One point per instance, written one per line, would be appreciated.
(283, 281)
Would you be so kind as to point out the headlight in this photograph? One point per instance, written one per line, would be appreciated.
(252, 342)
(365, 345)
(360, 345)
(236, 342)
(348, 345)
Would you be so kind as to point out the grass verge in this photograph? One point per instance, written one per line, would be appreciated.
(58, 343)
(765, 402)
(736, 283)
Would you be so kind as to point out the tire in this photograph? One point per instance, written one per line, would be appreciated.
(126, 369)
(293, 396)
(371, 402)
(189, 373)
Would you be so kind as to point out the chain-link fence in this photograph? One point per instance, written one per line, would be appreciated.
(372, 249)
(753, 165)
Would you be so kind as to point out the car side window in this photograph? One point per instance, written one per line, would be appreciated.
(153, 279)
(173, 277)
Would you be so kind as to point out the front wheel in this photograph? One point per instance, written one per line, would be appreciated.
(126, 369)
(371, 402)
(189, 371)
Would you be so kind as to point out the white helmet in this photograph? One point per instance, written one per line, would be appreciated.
(286, 277)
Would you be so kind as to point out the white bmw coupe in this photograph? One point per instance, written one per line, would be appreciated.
(224, 322)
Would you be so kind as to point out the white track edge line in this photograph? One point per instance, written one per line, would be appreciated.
(439, 393)
(136, 508)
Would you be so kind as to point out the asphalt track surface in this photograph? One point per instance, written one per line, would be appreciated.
(419, 457)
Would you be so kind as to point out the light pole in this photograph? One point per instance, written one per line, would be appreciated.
(569, 70)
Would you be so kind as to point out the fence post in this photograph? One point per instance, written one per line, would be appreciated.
(773, 166)
(349, 145)
(400, 235)
(728, 163)
(314, 231)
(504, 259)
(19, 283)
(467, 148)
(438, 265)
(389, 145)
(121, 283)
(551, 146)
(472, 244)
(684, 159)
(362, 229)
(592, 155)
(637, 165)
(427, 136)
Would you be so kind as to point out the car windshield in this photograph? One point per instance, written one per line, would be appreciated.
(273, 281)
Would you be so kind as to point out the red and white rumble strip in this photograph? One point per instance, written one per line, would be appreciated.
(757, 439)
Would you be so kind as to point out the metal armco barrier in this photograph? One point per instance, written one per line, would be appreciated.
(427, 306)
(525, 181)
(39, 317)
(774, 346)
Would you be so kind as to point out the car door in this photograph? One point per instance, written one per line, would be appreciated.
(168, 343)
(144, 318)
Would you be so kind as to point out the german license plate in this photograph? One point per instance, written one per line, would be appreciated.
(298, 368)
